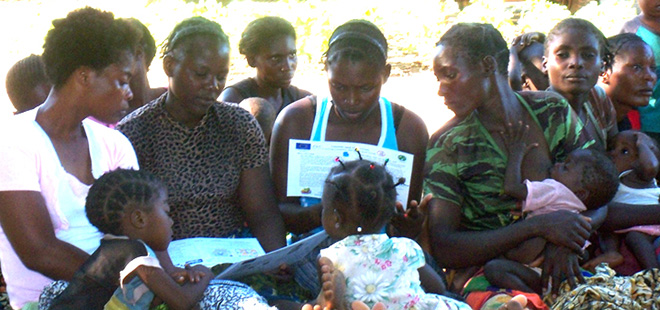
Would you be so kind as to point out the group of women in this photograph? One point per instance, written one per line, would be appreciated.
(224, 182)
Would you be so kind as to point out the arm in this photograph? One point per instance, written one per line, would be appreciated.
(26, 222)
(474, 248)
(229, 94)
(621, 216)
(294, 122)
(174, 295)
(431, 280)
(255, 192)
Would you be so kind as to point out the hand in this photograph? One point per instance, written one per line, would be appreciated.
(190, 274)
(518, 302)
(524, 40)
(564, 228)
(409, 223)
(560, 264)
(515, 138)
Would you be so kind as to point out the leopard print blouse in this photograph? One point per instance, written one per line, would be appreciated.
(201, 166)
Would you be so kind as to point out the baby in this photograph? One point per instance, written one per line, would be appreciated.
(585, 181)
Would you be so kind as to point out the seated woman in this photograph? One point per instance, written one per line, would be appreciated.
(51, 155)
(471, 222)
(211, 155)
(356, 63)
(269, 45)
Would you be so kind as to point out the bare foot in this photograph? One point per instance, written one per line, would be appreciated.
(518, 302)
(356, 305)
(333, 286)
(612, 259)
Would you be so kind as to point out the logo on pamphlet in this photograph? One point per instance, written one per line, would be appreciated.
(303, 146)
(402, 158)
(306, 190)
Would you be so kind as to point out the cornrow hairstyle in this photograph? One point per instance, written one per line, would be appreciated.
(618, 42)
(600, 178)
(357, 40)
(262, 31)
(365, 186)
(147, 42)
(583, 26)
(22, 78)
(86, 37)
(191, 27)
(476, 41)
(113, 192)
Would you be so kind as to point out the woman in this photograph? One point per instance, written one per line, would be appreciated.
(52, 154)
(269, 45)
(356, 63)
(470, 222)
(211, 155)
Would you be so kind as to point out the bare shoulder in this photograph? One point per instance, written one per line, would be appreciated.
(412, 134)
(230, 94)
(297, 118)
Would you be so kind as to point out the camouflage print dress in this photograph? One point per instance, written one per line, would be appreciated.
(466, 167)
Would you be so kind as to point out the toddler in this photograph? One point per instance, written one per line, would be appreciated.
(131, 208)
(587, 180)
(636, 157)
(366, 265)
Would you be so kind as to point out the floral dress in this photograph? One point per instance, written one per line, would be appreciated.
(382, 269)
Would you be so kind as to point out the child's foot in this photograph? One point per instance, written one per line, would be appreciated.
(333, 286)
(612, 259)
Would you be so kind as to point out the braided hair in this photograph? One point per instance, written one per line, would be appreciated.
(583, 26)
(618, 42)
(365, 186)
(111, 195)
(190, 28)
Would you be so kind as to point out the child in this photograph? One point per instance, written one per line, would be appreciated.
(131, 208)
(637, 158)
(27, 84)
(526, 62)
(575, 55)
(358, 201)
(587, 180)
(647, 26)
(630, 80)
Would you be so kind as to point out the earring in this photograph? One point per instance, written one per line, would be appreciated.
(359, 229)
(337, 225)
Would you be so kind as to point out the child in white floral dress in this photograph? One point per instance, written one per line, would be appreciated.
(358, 201)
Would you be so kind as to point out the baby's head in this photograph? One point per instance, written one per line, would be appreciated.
(27, 84)
(358, 198)
(624, 151)
(589, 174)
(131, 203)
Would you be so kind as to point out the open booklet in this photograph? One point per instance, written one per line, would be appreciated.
(271, 261)
(213, 251)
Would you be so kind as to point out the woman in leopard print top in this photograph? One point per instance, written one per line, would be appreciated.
(212, 155)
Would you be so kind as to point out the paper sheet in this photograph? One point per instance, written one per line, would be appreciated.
(212, 251)
(311, 161)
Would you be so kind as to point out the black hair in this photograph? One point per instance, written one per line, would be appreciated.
(583, 26)
(86, 37)
(600, 178)
(617, 42)
(262, 30)
(113, 192)
(366, 186)
(22, 78)
(147, 42)
(191, 27)
(477, 41)
(357, 40)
